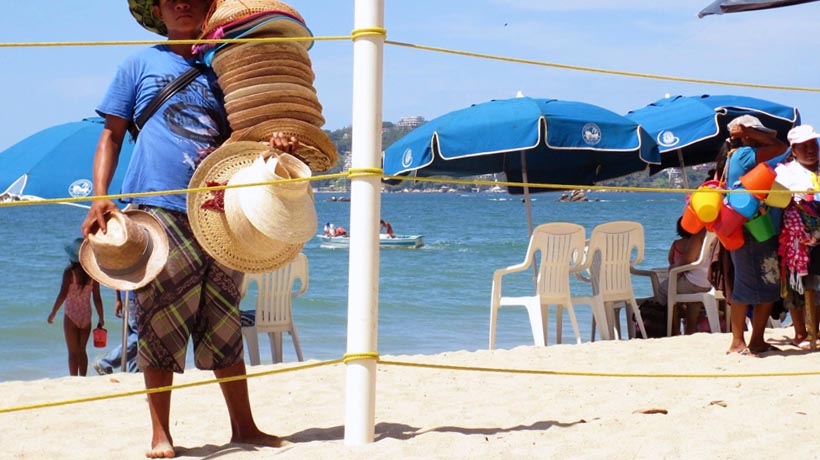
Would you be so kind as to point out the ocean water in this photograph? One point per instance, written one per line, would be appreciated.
(433, 299)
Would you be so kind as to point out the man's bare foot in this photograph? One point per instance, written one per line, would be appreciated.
(799, 339)
(260, 439)
(763, 347)
(162, 449)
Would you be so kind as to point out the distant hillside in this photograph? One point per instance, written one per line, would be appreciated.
(392, 132)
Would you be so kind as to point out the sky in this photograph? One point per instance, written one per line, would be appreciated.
(45, 86)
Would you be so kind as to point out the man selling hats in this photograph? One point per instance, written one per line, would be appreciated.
(191, 292)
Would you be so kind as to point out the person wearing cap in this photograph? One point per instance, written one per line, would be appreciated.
(800, 234)
(76, 292)
(756, 280)
(192, 292)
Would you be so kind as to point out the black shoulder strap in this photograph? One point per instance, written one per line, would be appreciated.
(173, 87)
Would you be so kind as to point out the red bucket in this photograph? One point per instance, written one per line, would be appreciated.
(100, 337)
(732, 241)
(728, 221)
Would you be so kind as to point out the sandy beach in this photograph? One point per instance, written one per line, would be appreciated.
(425, 413)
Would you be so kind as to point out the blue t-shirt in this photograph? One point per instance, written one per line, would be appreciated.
(187, 127)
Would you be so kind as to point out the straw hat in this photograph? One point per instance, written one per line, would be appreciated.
(226, 57)
(301, 95)
(231, 239)
(262, 66)
(254, 90)
(130, 254)
(315, 147)
(265, 80)
(286, 211)
(249, 117)
(229, 14)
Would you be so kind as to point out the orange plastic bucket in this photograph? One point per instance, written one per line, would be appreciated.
(761, 177)
(778, 196)
(732, 241)
(761, 227)
(743, 202)
(729, 221)
(706, 202)
(690, 221)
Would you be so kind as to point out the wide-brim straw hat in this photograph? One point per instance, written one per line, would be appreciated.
(229, 15)
(285, 211)
(250, 117)
(284, 93)
(234, 56)
(260, 253)
(130, 254)
(263, 67)
(255, 90)
(316, 148)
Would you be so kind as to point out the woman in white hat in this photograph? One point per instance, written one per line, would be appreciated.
(801, 230)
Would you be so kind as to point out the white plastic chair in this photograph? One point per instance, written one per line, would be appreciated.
(273, 307)
(709, 298)
(561, 247)
(608, 261)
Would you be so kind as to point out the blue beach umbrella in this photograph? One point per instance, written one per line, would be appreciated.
(737, 6)
(529, 140)
(57, 162)
(689, 130)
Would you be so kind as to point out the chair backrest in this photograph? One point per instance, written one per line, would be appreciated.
(609, 258)
(561, 248)
(275, 292)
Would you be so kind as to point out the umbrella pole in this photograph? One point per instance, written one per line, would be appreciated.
(683, 169)
(529, 213)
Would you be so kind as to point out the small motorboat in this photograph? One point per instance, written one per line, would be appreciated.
(398, 241)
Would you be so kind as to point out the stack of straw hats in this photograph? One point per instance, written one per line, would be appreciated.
(268, 86)
(258, 228)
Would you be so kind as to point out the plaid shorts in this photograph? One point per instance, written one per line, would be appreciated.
(193, 296)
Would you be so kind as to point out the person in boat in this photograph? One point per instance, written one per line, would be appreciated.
(388, 229)
(328, 230)
(340, 231)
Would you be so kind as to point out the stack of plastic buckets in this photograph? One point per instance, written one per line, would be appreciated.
(727, 217)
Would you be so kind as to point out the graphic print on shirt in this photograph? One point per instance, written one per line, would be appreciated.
(193, 120)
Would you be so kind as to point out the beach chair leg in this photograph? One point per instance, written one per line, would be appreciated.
(559, 322)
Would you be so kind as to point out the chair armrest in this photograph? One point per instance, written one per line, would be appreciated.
(683, 268)
(652, 273)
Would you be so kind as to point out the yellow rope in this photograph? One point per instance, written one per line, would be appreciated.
(166, 388)
(369, 32)
(598, 70)
(597, 374)
(365, 172)
(350, 357)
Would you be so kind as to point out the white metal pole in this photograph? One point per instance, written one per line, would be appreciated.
(365, 208)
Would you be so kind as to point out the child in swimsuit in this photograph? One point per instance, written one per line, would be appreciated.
(76, 291)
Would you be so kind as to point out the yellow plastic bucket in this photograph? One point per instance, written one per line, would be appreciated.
(706, 202)
(778, 196)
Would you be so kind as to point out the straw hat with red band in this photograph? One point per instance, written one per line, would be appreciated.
(249, 18)
(246, 236)
(130, 254)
